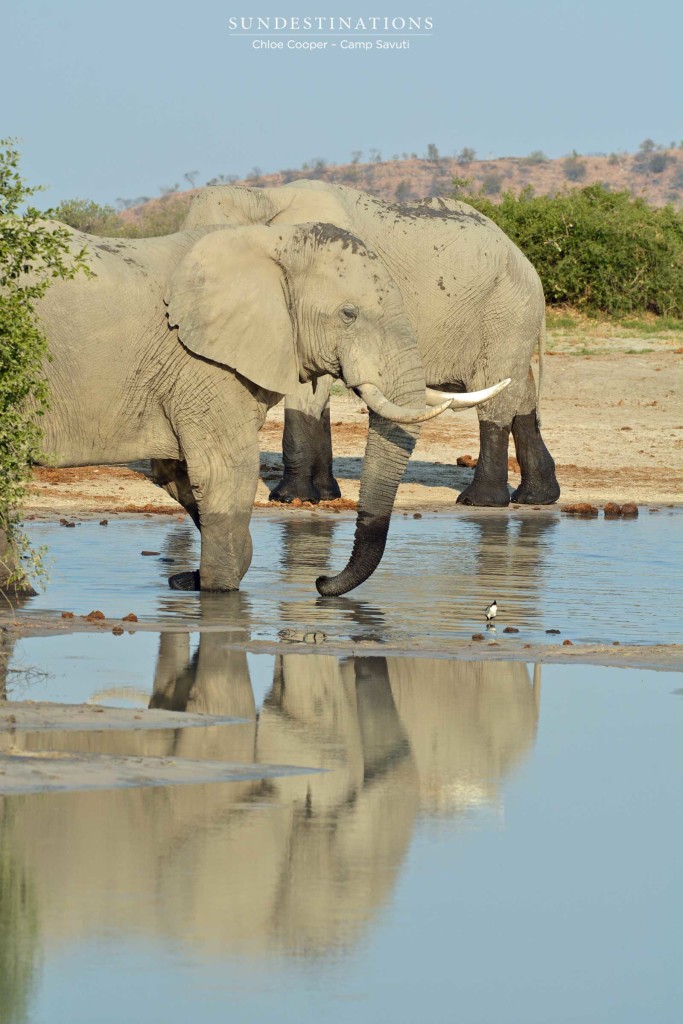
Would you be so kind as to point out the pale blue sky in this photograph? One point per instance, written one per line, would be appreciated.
(121, 98)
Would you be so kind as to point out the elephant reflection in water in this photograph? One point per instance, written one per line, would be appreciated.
(298, 863)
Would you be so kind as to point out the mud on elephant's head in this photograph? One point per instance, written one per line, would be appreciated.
(285, 304)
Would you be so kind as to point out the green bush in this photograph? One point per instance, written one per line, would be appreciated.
(601, 251)
(162, 216)
(32, 255)
(85, 215)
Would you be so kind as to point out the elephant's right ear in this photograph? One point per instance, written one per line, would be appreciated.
(229, 300)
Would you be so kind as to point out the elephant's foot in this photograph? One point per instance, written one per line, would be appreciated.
(292, 487)
(542, 492)
(327, 487)
(539, 484)
(185, 581)
(485, 493)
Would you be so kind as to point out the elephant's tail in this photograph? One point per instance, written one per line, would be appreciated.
(541, 362)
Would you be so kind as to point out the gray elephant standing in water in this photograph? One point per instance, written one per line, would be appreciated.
(178, 347)
(475, 302)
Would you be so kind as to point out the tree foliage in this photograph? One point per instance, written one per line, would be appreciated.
(33, 254)
(601, 251)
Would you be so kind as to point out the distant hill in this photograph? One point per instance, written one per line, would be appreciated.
(653, 173)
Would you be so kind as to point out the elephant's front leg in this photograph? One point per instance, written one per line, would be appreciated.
(307, 446)
(539, 484)
(224, 489)
(490, 483)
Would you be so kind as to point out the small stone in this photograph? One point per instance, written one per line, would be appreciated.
(478, 636)
(511, 629)
(612, 510)
(130, 617)
(629, 508)
(616, 643)
(315, 638)
(567, 643)
(150, 552)
(117, 631)
(93, 616)
(553, 631)
(68, 615)
(417, 515)
(104, 522)
(580, 508)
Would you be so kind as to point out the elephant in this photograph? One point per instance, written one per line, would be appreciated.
(476, 304)
(176, 347)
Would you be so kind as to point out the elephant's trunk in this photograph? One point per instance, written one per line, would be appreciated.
(387, 452)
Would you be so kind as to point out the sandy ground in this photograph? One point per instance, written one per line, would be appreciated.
(613, 422)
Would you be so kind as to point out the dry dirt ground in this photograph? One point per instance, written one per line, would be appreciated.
(612, 419)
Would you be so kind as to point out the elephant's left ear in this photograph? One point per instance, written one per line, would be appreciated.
(228, 298)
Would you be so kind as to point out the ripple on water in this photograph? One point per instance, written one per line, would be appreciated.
(595, 580)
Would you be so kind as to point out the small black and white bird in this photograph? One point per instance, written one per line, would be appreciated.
(491, 611)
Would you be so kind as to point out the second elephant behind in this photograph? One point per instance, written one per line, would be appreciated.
(473, 299)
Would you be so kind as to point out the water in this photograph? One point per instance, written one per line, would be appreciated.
(475, 842)
(595, 580)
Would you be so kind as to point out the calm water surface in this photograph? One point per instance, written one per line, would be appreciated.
(479, 842)
(595, 580)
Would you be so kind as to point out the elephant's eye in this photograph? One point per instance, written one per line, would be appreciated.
(348, 314)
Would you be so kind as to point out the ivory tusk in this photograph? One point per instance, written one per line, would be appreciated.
(466, 399)
(379, 403)
(437, 402)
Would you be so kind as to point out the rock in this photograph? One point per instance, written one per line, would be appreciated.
(612, 510)
(567, 643)
(417, 515)
(553, 631)
(580, 508)
(93, 616)
(130, 617)
(68, 615)
(70, 525)
(511, 629)
(117, 631)
(478, 636)
(616, 643)
(629, 508)
(104, 522)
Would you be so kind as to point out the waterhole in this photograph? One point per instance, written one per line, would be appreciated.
(596, 581)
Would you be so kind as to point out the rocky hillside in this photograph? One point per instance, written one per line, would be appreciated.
(657, 176)
(653, 173)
